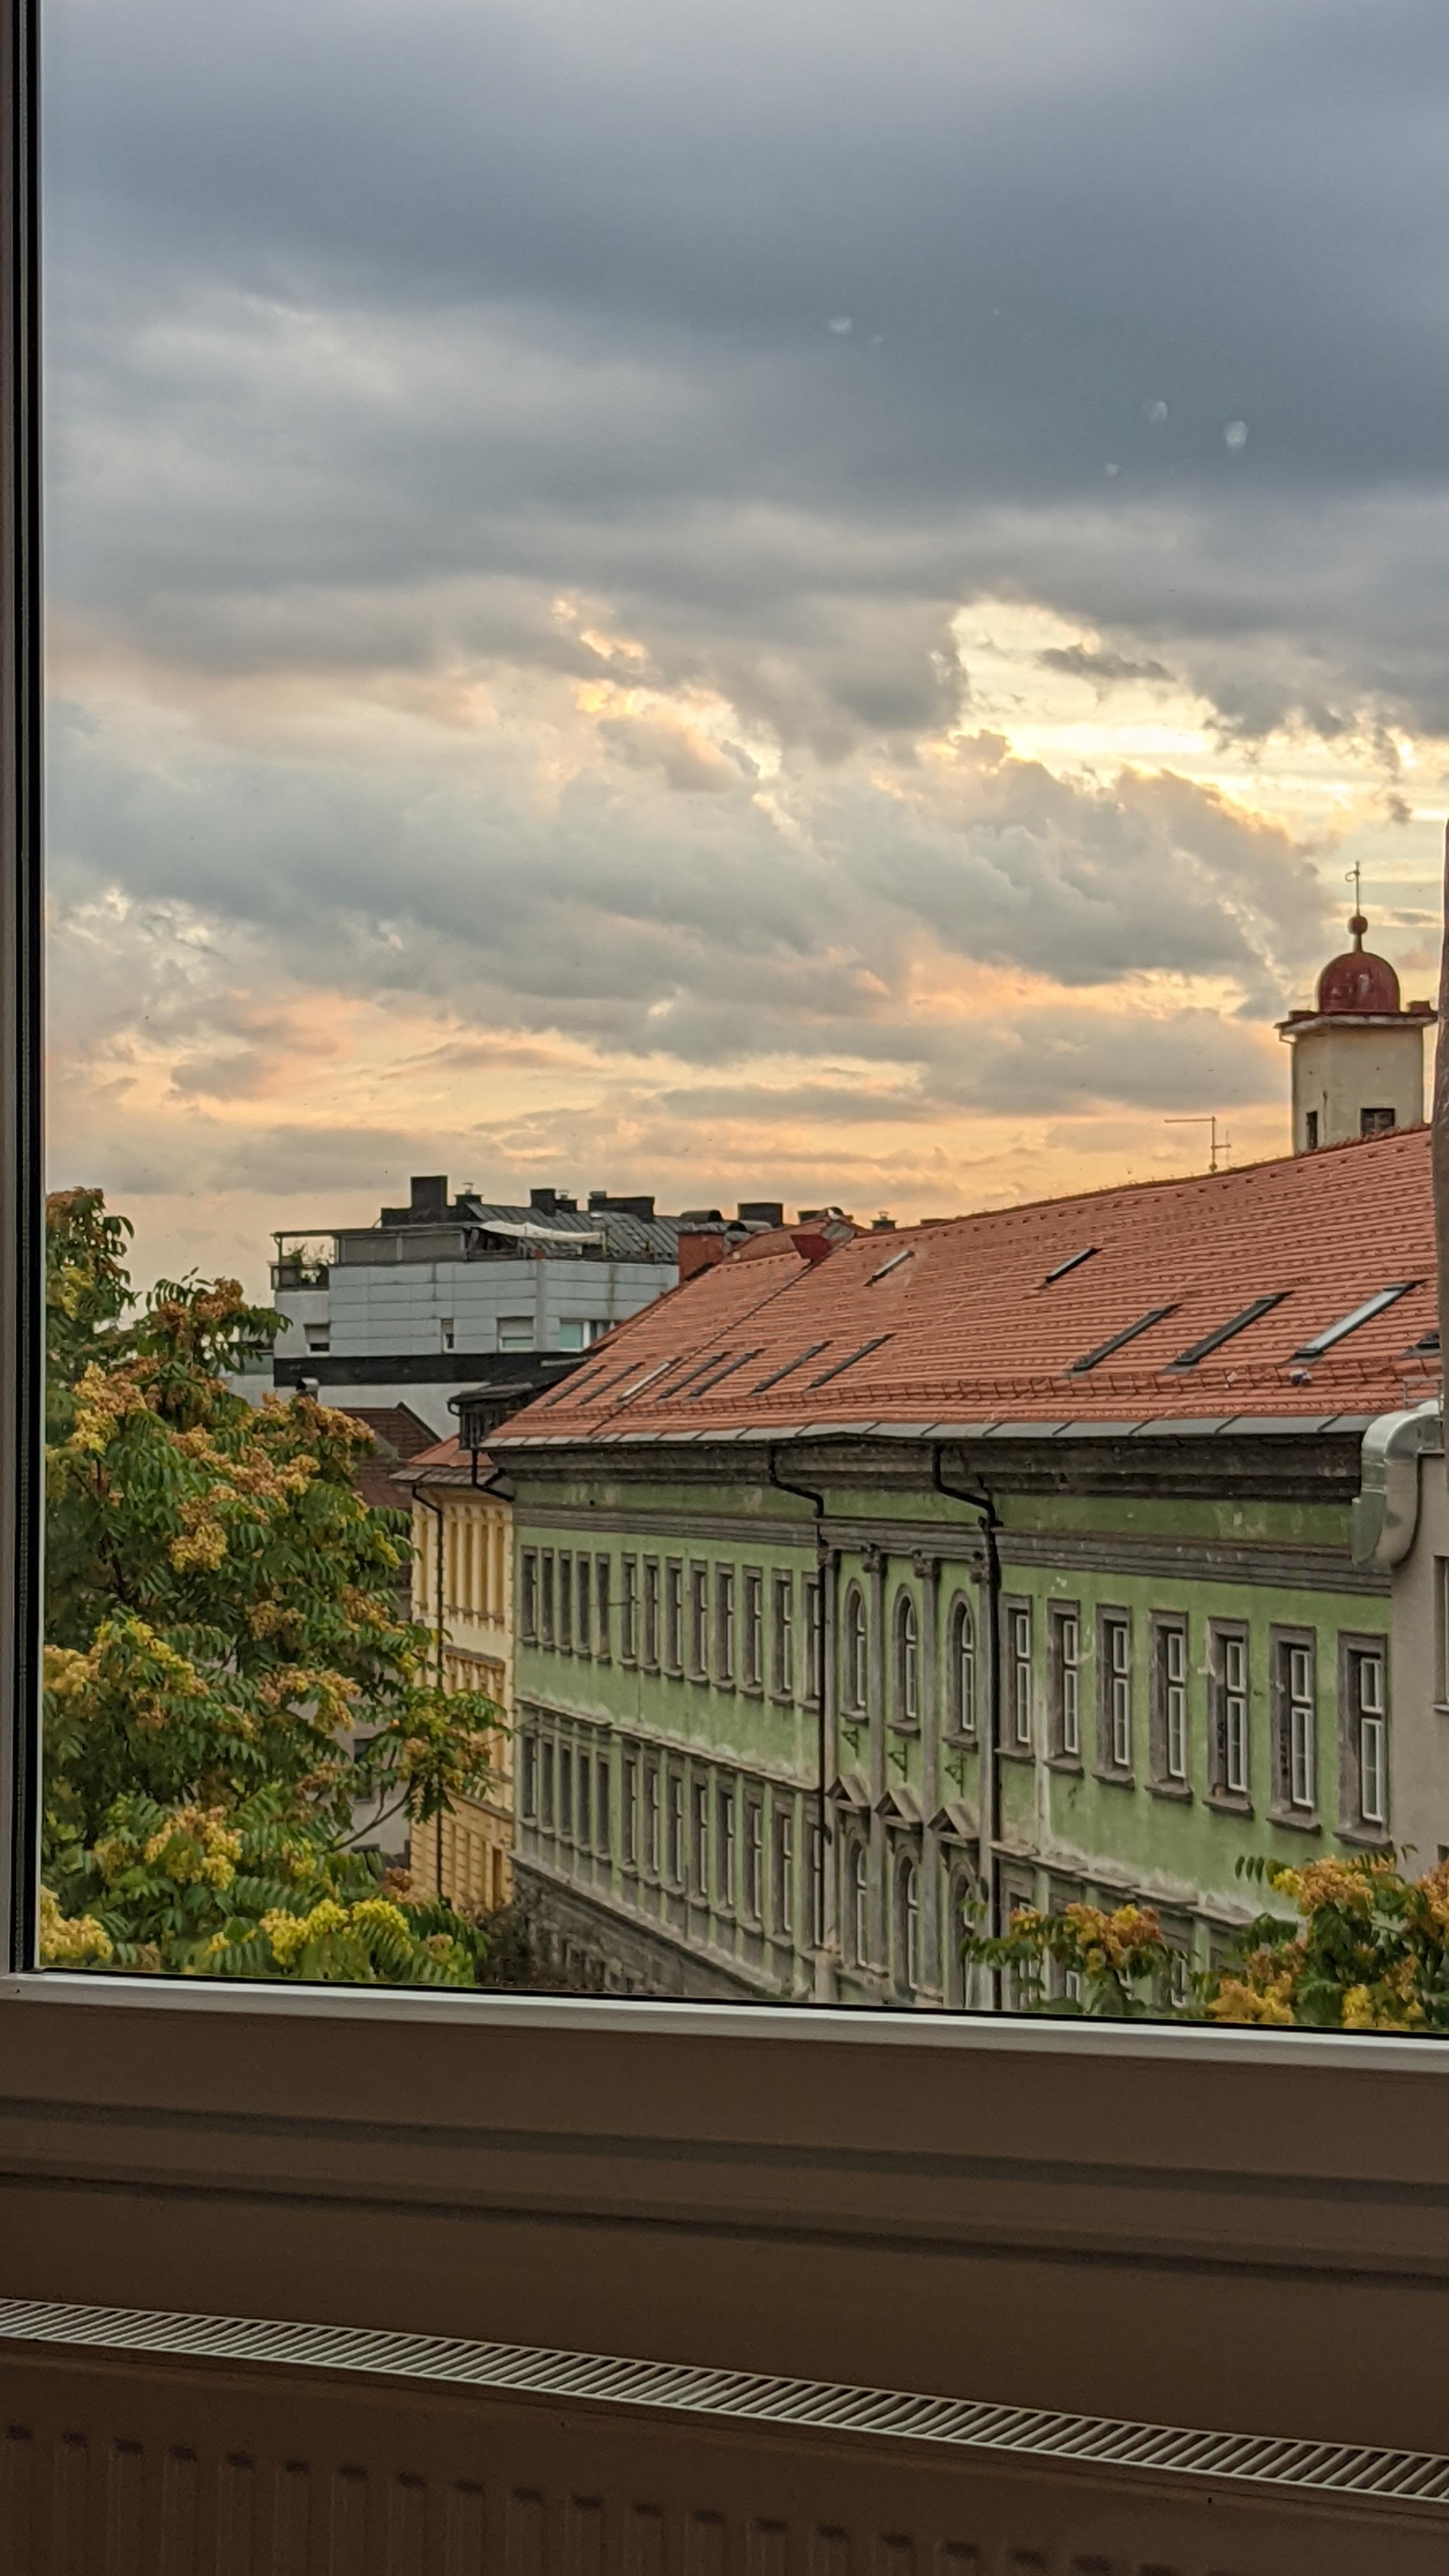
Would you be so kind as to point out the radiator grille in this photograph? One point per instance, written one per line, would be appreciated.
(1246, 2462)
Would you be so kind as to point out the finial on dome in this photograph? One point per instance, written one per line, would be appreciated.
(1357, 924)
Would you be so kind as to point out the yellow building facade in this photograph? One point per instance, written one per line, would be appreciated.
(463, 1590)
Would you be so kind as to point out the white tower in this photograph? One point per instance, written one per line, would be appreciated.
(1358, 1057)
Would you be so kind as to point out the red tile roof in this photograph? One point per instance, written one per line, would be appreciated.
(447, 1462)
(399, 1435)
(958, 1323)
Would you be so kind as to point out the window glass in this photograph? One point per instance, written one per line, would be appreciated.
(717, 680)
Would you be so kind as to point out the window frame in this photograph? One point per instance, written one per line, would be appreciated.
(1116, 1696)
(1166, 1629)
(411, 2051)
(1358, 1649)
(1224, 1634)
(1295, 1760)
(1018, 1740)
(905, 1662)
(1064, 1684)
(962, 1720)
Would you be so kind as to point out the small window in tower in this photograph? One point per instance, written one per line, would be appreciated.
(1375, 1122)
(1311, 1131)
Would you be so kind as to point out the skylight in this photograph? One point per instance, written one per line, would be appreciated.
(850, 1359)
(1350, 1322)
(809, 1353)
(611, 1382)
(894, 1263)
(1236, 1324)
(707, 1385)
(1073, 1261)
(715, 1359)
(1129, 1333)
(651, 1377)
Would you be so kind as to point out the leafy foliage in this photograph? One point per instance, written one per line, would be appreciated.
(1113, 1966)
(1366, 1949)
(227, 1674)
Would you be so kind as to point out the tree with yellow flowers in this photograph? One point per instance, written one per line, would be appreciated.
(227, 1678)
(1364, 1948)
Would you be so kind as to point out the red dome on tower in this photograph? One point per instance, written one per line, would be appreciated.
(1358, 981)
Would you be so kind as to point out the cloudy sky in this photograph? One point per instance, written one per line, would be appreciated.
(775, 599)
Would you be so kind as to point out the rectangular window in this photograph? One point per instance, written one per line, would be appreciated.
(566, 1604)
(584, 1835)
(545, 1787)
(528, 1781)
(1018, 1647)
(1441, 1631)
(1375, 1122)
(724, 1627)
(1368, 1724)
(699, 1838)
(1066, 1666)
(754, 1860)
(699, 1621)
(629, 1613)
(651, 1613)
(752, 1644)
(675, 1829)
(515, 1332)
(546, 1620)
(782, 1636)
(1169, 1701)
(583, 1607)
(602, 1606)
(1114, 1650)
(601, 1804)
(631, 1812)
(566, 1790)
(528, 1596)
(1294, 1724)
(725, 1813)
(1311, 1131)
(674, 1617)
(784, 1872)
(1228, 1683)
(651, 1819)
(811, 1612)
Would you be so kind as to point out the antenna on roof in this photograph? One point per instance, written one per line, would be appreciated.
(1214, 1145)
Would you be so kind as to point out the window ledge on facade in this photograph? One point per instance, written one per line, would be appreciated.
(1227, 1802)
(1115, 1779)
(904, 1725)
(1177, 1790)
(1017, 1753)
(1365, 1837)
(1295, 1820)
(1068, 1764)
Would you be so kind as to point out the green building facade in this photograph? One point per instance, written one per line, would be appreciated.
(794, 1711)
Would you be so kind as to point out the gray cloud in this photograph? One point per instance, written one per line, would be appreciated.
(376, 336)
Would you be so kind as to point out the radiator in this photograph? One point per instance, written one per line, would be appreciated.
(146, 2444)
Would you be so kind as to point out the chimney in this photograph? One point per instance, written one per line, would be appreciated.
(545, 1202)
(699, 1251)
(762, 1212)
(429, 1197)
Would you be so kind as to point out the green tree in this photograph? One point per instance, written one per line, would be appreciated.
(226, 1674)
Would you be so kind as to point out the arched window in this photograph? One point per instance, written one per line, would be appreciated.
(910, 1926)
(961, 1662)
(908, 1662)
(859, 1905)
(854, 1649)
